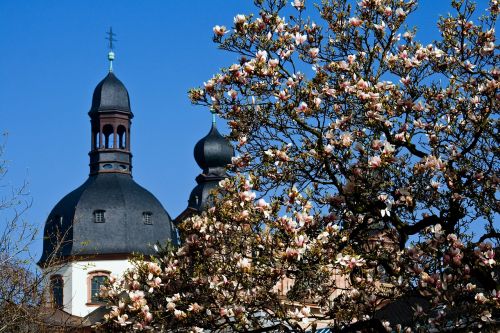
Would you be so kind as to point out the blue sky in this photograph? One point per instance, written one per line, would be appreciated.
(54, 54)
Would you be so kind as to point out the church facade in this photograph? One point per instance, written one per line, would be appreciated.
(93, 231)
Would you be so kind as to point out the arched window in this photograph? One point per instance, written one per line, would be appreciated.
(107, 130)
(95, 280)
(56, 289)
(95, 140)
(122, 137)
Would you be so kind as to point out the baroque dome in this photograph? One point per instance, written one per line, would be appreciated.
(109, 214)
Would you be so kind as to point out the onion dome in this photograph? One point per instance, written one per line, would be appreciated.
(213, 153)
(110, 215)
(110, 95)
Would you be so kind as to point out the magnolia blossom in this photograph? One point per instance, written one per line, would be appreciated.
(313, 52)
(261, 56)
(273, 63)
(298, 4)
(400, 12)
(355, 22)
(374, 162)
(302, 107)
(349, 261)
(373, 201)
(220, 30)
(299, 38)
(240, 19)
(244, 264)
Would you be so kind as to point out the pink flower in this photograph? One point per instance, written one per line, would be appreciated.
(380, 26)
(362, 84)
(262, 204)
(179, 314)
(374, 162)
(313, 52)
(480, 298)
(355, 22)
(247, 196)
(232, 93)
(148, 316)
(346, 139)
(154, 268)
(195, 307)
(317, 102)
(302, 107)
(405, 80)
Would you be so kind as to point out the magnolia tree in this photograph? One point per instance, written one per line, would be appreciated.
(367, 174)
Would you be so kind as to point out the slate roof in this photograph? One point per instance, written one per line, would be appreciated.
(212, 153)
(123, 231)
(110, 95)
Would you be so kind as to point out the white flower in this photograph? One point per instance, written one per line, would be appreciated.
(299, 39)
(380, 26)
(261, 56)
(239, 19)
(220, 30)
(298, 4)
(273, 63)
(400, 12)
(244, 264)
(313, 52)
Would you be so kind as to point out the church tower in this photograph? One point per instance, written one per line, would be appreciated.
(213, 153)
(92, 232)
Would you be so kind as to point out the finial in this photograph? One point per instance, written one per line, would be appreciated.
(111, 54)
(213, 117)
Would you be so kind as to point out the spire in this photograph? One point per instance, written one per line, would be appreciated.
(111, 54)
(110, 118)
(212, 153)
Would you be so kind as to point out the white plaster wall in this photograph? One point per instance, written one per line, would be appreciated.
(75, 275)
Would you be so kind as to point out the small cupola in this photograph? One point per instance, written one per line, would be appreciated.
(213, 152)
(110, 95)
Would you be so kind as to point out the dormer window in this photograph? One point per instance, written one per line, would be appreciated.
(99, 216)
(147, 217)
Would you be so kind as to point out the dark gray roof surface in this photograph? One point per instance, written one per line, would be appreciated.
(213, 152)
(199, 199)
(123, 232)
(110, 95)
